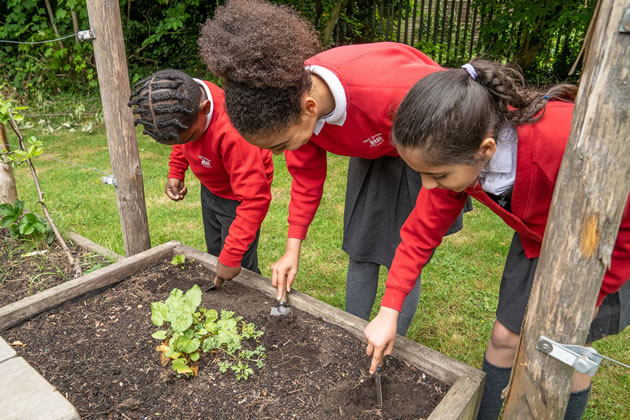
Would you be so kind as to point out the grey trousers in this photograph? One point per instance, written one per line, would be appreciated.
(361, 288)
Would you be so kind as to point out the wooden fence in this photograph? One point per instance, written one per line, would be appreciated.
(449, 31)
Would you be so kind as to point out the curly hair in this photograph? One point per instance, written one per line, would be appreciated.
(166, 103)
(448, 113)
(259, 49)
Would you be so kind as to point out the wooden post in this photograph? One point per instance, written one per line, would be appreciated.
(588, 202)
(8, 191)
(113, 78)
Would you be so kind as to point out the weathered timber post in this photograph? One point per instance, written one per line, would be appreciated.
(8, 191)
(113, 78)
(588, 202)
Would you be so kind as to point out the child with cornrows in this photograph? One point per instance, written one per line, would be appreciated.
(480, 131)
(235, 176)
(284, 97)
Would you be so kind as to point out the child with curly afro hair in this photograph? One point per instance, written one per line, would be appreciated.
(282, 94)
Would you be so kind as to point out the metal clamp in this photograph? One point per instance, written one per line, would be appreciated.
(86, 35)
(583, 359)
(110, 179)
(625, 21)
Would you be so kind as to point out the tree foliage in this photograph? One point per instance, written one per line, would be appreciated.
(543, 36)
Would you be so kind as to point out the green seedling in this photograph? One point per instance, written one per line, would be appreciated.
(179, 260)
(193, 330)
(22, 224)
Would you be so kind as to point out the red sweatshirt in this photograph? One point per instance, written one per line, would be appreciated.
(540, 149)
(375, 78)
(230, 168)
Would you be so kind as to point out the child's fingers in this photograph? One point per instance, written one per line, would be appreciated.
(377, 358)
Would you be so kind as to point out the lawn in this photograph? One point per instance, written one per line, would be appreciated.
(460, 285)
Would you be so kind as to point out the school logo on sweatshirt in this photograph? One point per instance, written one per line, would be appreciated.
(375, 140)
(205, 162)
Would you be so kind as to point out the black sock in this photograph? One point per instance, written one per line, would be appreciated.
(577, 404)
(497, 379)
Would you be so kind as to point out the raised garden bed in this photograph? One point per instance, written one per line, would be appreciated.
(29, 267)
(98, 351)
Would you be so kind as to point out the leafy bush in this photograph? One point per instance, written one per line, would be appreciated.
(22, 224)
(194, 329)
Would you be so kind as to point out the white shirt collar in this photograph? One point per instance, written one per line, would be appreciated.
(499, 173)
(209, 114)
(339, 114)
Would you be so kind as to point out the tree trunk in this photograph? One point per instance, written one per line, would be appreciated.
(75, 26)
(588, 202)
(8, 191)
(51, 16)
(113, 80)
(332, 21)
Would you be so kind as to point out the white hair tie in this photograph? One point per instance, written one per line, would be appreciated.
(470, 70)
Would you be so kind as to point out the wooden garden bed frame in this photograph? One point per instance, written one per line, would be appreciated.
(461, 401)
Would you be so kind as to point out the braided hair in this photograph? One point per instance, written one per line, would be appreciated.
(166, 103)
(449, 113)
(258, 49)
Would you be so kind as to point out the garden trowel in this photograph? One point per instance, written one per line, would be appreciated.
(215, 284)
(379, 390)
(282, 308)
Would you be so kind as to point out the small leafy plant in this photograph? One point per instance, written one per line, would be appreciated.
(179, 260)
(22, 224)
(193, 329)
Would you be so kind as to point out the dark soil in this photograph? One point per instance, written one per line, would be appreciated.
(30, 266)
(99, 353)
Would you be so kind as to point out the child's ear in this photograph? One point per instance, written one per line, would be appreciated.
(205, 106)
(309, 106)
(487, 148)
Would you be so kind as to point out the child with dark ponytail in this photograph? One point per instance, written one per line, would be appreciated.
(283, 95)
(235, 176)
(479, 131)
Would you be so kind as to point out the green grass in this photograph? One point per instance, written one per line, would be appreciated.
(460, 285)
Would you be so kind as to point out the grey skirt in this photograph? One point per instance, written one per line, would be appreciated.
(380, 195)
(516, 285)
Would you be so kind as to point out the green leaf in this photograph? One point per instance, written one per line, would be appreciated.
(158, 313)
(160, 335)
(193, 298)
(178, 259)
(194, 356)
(187, 345)
(7, 221)
(6, 209)
(180, 366)
(211, 315)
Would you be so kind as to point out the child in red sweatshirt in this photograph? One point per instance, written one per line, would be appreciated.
(235, 176)
(282, 97)
(478, 131)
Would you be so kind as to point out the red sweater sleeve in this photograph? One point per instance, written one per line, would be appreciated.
(619, 271)
(435, 212)
(177, 163)
(248, 179)
(307, 166)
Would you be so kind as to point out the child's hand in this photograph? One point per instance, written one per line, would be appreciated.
(284, 270)
(381, 335)
(175, 189)
(225, 272)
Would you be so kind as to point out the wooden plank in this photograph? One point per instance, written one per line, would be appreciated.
(588, 202)
(113, 80)
(94, 247)
(436, 364)
(26, 308)
(6, 351)
(27, 395)
(461, 401)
